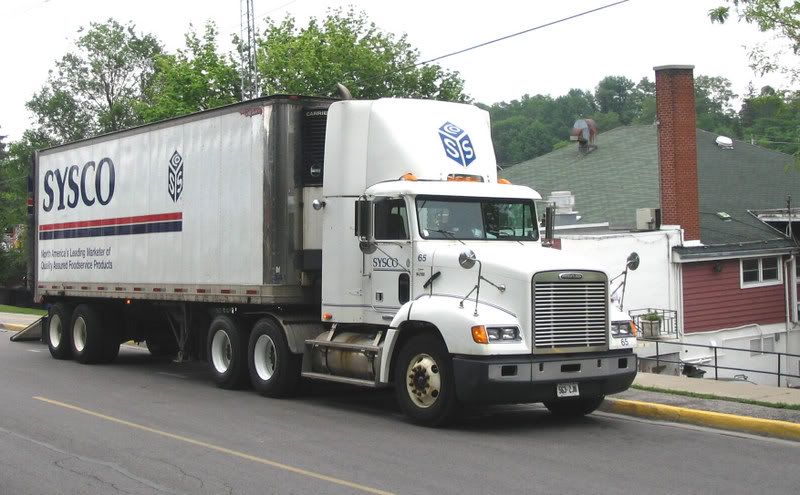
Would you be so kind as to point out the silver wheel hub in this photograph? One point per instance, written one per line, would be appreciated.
(221, 351)
(79, 334)
(423, 380)
(55, 331)
(265, 357)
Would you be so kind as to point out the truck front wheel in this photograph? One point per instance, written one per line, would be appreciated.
(227, 352)
(574, 408)
(58, 331)
(424, 382)
(274, 369)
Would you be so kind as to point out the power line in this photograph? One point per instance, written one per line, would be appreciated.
(525, 31)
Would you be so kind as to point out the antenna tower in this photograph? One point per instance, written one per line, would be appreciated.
(248, 67)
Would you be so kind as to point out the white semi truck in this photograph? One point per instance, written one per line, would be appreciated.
(364, 242)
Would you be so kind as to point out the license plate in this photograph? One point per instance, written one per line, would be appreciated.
(567, 390)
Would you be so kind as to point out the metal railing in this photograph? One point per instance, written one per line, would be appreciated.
(656, 323)
(783, 358)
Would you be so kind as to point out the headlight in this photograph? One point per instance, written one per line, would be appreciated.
(623, 329)
(504, 334)
(484, 335)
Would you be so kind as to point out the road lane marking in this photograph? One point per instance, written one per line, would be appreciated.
(173, 375)
(34, 350)
(216, 448)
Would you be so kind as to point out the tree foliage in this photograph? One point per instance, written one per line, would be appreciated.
(95, 88)
(195, 78)
(781, 18)
(346, 48)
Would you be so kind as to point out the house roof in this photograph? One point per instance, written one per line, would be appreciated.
(621, 175)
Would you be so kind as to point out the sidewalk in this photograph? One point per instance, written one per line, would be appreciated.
(727, 412)
(15, 321)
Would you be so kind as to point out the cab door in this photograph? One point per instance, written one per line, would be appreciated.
(390, 265)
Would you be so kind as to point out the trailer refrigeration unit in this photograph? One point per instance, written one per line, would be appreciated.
(364, 242)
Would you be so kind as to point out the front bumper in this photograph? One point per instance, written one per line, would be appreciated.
(532, 378)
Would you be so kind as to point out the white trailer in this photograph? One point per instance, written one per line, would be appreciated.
(365, 242)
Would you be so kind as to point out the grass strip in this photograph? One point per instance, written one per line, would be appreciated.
(22, 311)
(774, 405)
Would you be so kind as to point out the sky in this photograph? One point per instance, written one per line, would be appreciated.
(628, 39)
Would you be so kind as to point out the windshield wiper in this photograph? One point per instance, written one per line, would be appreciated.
(447, 233)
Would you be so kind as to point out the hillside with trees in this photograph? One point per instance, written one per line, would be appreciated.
(534, 125)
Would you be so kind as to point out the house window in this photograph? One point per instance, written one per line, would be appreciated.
(755, 347)
(760, 271)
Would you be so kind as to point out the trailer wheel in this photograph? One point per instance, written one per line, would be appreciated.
(227, 352)
(58, 331)
(574, 408)
(274, 369)
(423, 381)
(88, 339)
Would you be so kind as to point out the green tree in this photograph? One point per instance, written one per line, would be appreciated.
(93, 90)
(713, 105)
(346, 48)
(195, 78)
(781, 18)
(616, 94)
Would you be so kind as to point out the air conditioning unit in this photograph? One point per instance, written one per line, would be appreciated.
(648, 218)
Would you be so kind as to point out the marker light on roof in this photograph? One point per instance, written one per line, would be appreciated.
(408, 176)
(503, 181)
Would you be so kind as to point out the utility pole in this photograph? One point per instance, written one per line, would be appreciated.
(248, 67)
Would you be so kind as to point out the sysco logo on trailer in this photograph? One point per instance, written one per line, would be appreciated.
(175, 179)
(457, 144)
(92, 183)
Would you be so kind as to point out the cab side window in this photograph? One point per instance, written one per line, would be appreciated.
(391, 219)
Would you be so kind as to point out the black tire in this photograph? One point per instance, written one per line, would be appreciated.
(274, 368)
(574, 408)
(89, 342)
(59, 331)
(227, 352)
(423, 381)
(112, 326)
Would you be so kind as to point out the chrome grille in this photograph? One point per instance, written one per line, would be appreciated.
(568, 314)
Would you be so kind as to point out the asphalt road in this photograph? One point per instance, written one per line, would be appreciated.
(143, 425)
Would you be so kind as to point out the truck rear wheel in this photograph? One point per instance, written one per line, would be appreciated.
(58, 331)
(574, 408)
(89, 344)
(424, 382)
(274, 369)
(227, 352)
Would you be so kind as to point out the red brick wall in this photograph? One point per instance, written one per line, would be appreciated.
(713, 300)
(677, 148)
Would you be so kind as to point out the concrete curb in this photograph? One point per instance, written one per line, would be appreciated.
(767, 427)
(12, 327)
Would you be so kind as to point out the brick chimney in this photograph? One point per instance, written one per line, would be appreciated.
(677, 148)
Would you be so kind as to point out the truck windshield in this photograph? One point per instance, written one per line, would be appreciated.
(476, 218)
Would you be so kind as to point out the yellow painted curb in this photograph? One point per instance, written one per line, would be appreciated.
(12, 327)
(759, 426)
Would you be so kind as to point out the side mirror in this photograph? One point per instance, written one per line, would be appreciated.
(549, 222)
(467, 259)
(367, 247)
(633, 261)
(363, 220)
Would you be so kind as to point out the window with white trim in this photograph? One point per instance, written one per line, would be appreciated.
(760, 271)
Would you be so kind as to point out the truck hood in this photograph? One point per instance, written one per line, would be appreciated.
(510, 259)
